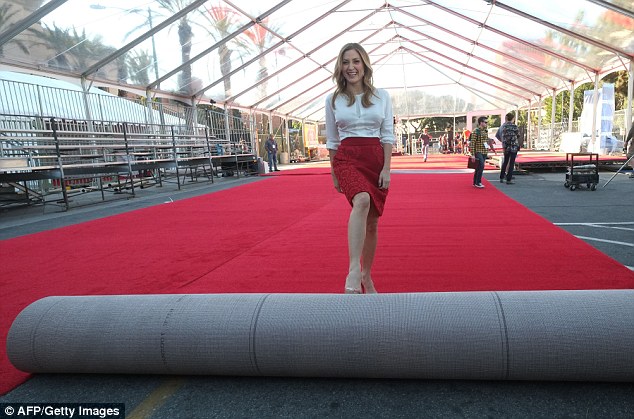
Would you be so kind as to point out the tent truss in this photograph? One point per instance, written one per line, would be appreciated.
(277, 57)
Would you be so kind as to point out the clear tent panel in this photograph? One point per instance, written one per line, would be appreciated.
(554, 41)
(78, 34)
(460, 52)
(370, 32)
(282, 89)
(581, 17)
(278, 55)
(497, 20)
(624, 4)
(294, 67)
(444, 100)
(288, 69)
(518, 63)
(290, 32)
(464, 38)
(63, 42)
(229, 65)
(447, 72)
(530, 53)
(300, 105)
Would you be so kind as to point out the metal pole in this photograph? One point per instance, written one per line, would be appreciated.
(552, 121)
(539, 120)
(630, 92)
(617, 172)
(455, 104)
(156, 69)
(62, 178)
(571, 105)
(288, 136)
(254, 133)
(209, 152)
(175, 157)
(232, 147)
(128, 157)
(595, 102)
(39, 99)
(528, 123)
(149, 116)
(84, 95)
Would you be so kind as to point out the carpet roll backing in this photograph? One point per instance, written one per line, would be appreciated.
(529, 335)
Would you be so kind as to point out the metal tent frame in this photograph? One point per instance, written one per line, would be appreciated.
(434, 42)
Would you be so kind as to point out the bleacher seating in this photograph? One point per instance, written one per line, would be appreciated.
(125, 155)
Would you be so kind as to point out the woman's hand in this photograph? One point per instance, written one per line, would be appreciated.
(384, 179)
(336, 182)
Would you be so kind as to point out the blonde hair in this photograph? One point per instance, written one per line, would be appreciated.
(339, 79)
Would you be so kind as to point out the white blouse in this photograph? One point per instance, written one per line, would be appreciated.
(356, 121)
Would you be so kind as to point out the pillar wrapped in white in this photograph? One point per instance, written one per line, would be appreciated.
(531, 335)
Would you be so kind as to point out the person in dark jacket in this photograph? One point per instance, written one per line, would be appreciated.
(271, 149)
(509, 135)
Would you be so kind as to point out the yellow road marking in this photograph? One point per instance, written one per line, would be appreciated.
(156, 399)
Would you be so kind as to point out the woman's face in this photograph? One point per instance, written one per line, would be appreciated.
(352, 67)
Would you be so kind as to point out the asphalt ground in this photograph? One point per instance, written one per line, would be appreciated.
(604, 218)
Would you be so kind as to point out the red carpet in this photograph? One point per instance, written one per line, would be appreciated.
(434, 162)
(547, 156)
(437, 162)
(287, 234)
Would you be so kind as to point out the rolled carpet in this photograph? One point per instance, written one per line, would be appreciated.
(529, 335)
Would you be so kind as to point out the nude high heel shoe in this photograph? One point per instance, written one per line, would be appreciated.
(348, 290)
(368, 287)
(352, 290)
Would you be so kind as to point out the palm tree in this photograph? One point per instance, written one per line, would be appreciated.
(223, 22)
(75, 51)
(185, 35)
(261, 39)
(6, 14)
(62, 42)
(138, 64)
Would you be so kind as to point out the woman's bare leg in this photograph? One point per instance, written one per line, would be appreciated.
(369, 249)
(356, 239)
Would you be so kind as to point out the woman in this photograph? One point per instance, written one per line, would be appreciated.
(360, 137)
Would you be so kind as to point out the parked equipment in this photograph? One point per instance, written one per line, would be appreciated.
(582, 171)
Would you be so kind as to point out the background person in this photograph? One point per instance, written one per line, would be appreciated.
(508, 134)
(271, 150)
(479, 137)
(360, 137)
(425, 139)
(629, 147)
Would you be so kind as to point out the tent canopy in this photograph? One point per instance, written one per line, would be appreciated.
(440, 57)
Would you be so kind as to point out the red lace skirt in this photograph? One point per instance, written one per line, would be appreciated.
(357, 165)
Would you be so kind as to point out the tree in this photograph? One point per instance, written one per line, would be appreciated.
(261, 39)
(185, 36)
(609, 23)
(619, 79)
(222, 21)
(57, 39)
(436, 124)
(138, 64)
(73, 51)
(6, 15)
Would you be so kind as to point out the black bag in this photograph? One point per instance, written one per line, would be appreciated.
(472, 163)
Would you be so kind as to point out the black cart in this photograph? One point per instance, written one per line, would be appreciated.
(583, 169)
